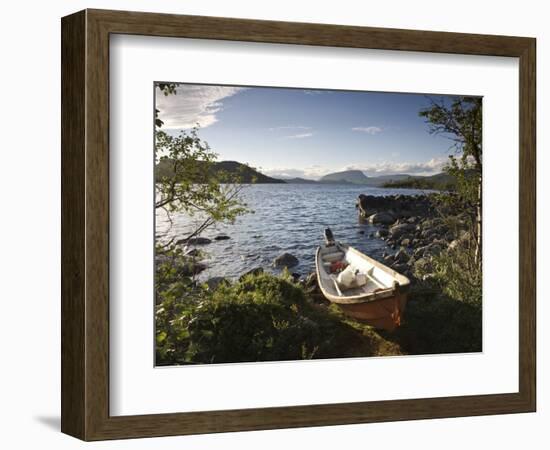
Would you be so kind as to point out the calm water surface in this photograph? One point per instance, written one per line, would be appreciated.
(287, 218)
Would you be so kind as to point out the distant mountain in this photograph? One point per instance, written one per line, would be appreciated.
(247, 174)
(347, 176)
(440, 181)
(244, 173)
(382, 179)
(298, 180)
(358, 177)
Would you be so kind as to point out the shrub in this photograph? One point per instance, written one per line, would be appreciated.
(435, 323)
(455, 272)
(259, 318)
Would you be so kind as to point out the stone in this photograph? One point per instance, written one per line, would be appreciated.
(285, 260)
(420, 251)
(401, 268)
(311, 280)
(385, 218)
(454, 244)
(434, 249)
(222, 237)
(195, 241)
(254, 271)
(426, 233)
(406, 242)
(191, 268)
(382, 233)
(397, 231)
(192, 252)
(214, 282)
(401, 256)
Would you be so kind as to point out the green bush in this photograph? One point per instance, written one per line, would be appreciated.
(260, 318)
(435, 324)
(455, 272)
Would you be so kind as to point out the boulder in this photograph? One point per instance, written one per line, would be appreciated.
(311, 280)
(382, 233)
(214, 282)
(401, 256)
(400, 267)
(397, 231)
(191, 268)
(454, 244)
(255, 271)
(285, 260)
(192, 252)
(295, 276)
(195, 241)
(222, 237)
(434, 249)
(385, 218)
(406, 242)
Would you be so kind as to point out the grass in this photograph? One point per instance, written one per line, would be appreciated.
(435, 323)
(263, 317)
(259, 318)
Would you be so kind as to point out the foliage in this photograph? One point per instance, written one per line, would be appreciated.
(173, 267)
(422, 183)
(166, 89)
(259, 318)
(192, 186)
(435, 323)
(461, 121)
(455, 272)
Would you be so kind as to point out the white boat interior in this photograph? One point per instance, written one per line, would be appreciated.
(362, 278)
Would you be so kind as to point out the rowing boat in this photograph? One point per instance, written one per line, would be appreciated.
(362, 287)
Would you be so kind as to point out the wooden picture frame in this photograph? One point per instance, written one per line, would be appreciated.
(85, 224)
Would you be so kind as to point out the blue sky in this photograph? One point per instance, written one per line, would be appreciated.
(308, 133)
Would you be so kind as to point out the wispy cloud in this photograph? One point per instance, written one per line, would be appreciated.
(369, 130)
(192, 105)
(430, 167)
(300, 131)
(290, 127)
(314, 172)
(299, 136)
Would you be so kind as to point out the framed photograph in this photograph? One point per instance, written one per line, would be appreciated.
(272, 225)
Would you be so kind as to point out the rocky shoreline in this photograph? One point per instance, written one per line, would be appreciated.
(409, 224)
(413, 228)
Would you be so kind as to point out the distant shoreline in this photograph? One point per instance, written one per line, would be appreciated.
(249, 175)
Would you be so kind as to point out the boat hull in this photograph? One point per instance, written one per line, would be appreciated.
(383, 313)
(382, 307)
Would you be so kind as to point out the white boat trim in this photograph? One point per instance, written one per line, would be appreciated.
(386, 282)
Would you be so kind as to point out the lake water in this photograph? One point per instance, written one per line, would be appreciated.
(287, 218)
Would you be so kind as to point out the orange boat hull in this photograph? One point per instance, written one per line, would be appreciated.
(384, 313)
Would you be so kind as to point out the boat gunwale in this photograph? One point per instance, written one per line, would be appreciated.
(369, 297)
